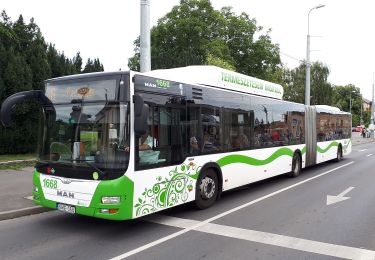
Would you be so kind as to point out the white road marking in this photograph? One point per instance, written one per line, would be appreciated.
(268, 238)
(369, 155)
(338, 198)
(362, 150)
(198, 225)
(29, 198)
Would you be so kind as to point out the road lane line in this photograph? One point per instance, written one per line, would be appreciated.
(181, 232)
(362, 150)
(369, 155)
(295, 243)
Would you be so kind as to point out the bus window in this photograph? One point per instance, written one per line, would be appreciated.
(211, 130)
(165, 141)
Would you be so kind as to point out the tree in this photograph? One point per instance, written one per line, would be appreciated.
(218, 62)
(348, 98)
(93, 66)
(321, 89)
(26, 60)
(254, 56)
(294, 84)
(194, 33)
(77, 61)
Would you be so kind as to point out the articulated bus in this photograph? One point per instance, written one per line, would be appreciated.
(123, 145)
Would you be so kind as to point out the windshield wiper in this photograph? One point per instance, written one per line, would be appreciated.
(101, 173)
(89, 163)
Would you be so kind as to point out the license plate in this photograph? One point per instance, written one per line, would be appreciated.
(66, 208)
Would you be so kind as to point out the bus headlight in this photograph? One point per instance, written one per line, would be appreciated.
(110, 200)
(36, 189)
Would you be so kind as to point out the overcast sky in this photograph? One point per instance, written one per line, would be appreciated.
(344, 30)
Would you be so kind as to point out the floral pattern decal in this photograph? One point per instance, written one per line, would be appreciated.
(170, 191)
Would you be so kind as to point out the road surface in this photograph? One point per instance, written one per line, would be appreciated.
(279, 218)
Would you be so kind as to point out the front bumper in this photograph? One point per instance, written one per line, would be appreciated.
(122, 187)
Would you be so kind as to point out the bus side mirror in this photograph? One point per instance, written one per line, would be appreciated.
(140, 115)
(10, 102)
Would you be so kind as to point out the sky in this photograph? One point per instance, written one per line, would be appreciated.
(342, 32)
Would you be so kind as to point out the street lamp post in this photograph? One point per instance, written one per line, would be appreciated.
(372, 107)
(307, 87)
(361, 118)
(350, 101)
(145, 39)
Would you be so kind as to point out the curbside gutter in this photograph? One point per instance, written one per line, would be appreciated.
(22, 212)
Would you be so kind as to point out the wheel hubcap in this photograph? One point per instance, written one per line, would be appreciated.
(207, 188)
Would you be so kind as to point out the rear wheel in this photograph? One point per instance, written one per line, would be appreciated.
(339, 154)
(207, 189)
(296, 165)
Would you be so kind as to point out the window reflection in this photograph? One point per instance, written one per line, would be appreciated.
(221, 121)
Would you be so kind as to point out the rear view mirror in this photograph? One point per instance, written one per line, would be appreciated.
(140, 115)
(10, 102)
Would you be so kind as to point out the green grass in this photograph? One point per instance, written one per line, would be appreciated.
(16, 166)
(12, 157)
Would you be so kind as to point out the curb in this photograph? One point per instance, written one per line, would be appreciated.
(17, 161)
(362, 142)
(22, 212)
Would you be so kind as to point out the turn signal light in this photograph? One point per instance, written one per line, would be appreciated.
(113, 211)
(108, 211)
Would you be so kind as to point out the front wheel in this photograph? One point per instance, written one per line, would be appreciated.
(207, 189)
(296, 165)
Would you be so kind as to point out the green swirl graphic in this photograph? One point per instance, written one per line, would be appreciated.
(236, 158)
(168, 191)
(320, 150)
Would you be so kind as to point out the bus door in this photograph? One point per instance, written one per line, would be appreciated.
(310, 135)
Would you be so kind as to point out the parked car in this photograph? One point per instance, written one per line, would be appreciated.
(357, 129)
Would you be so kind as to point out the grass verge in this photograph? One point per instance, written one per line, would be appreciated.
(17, 165)
(13, 157)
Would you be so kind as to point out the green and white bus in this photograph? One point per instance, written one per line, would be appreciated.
(123, 145)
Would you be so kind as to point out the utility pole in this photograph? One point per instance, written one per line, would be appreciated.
(145, 39)
(308, 65)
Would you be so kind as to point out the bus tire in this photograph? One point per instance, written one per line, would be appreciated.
(296, 166)
(339, 154)
(207, 189)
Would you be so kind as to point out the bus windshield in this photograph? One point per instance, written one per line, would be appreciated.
(93, 137)
(87, 135)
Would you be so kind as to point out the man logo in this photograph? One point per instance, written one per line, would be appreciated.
(66, 181)
(65, 194)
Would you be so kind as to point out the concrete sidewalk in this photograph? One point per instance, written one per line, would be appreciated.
(357, 139)
(16, 188)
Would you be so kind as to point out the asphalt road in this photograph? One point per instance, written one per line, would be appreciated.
(279, 218)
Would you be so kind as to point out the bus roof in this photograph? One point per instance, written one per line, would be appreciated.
(221, 78)
(87, 75)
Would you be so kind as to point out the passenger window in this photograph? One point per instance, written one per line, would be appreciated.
(164, 143)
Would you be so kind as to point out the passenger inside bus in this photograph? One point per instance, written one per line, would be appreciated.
(194, 146)
(240, 142)
(146, 154)
(208, 145)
